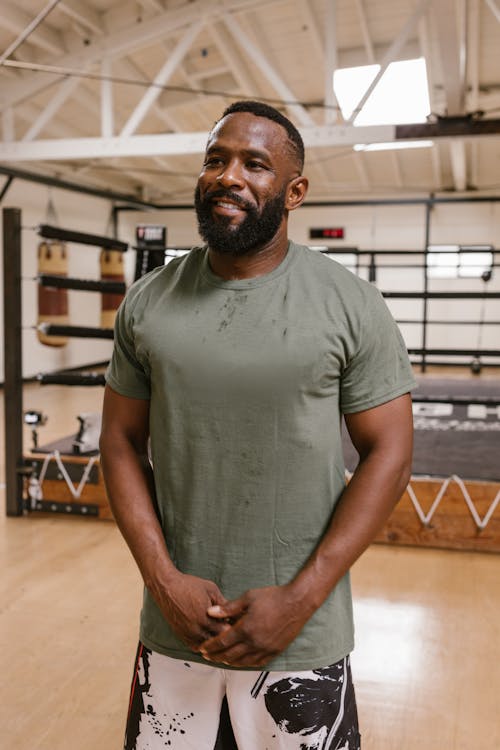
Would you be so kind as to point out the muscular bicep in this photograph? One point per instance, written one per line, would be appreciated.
(125, 418)
(388, 427)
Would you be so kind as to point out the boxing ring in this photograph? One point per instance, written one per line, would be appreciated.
(453, 498)
(64, 476)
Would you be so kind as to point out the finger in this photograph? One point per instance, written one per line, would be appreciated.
(231, 656)
(229, 609)
(241, 655)
(230, 637)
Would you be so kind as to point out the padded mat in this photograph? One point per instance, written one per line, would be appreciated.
(462, 439)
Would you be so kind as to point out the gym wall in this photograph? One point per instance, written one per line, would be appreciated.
(376, 227)
(390, 227)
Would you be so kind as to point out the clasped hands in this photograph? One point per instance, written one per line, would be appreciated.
(245, 632)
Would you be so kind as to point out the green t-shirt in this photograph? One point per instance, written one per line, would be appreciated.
(248, 380)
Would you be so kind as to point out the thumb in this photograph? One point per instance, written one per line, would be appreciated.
(229, 609)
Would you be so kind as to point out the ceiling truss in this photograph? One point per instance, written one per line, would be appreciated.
(234, 36)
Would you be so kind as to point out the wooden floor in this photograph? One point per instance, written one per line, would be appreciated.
(426, 665)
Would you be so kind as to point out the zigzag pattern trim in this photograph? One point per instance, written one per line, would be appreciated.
(425, 518)
(76, 490)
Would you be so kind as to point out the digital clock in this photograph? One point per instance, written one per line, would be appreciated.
(328, 233)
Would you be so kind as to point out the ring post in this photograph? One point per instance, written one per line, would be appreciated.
(13, 392)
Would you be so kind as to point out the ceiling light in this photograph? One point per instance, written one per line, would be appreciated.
(392, 145)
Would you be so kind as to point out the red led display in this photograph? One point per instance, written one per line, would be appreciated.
(327, 233)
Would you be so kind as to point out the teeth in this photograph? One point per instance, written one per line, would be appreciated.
(226, 205)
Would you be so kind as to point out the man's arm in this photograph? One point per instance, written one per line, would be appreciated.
(183, 599)
(267, 620)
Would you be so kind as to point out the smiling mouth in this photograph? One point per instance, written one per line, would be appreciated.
(228, 206)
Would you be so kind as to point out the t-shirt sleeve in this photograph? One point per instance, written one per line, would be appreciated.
(125, 373)
(379, 369)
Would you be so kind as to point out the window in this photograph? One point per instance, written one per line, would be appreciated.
(459, 261)
(174, 252)
(347, 258)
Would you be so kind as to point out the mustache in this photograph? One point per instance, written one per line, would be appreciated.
(233, 197)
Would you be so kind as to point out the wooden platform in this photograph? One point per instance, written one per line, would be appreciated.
(449, 513)
(56, 495)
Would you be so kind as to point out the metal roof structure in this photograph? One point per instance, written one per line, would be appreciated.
(120, 94)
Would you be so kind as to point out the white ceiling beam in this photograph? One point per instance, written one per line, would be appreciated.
(16, 21)
(450, 23)
(492, 5)
(458, 161)
(367, 40)
(124, 41)
(268, 71)
(426, 53)
(65, 90)
(473, 55)
(83, 15)
(451, 33)
(473, 73)
(391, 55)
(101, 148)
(227, 49)
(331, 62)
(128, 68)
(161, 78)
(177, 143)
(107, 108)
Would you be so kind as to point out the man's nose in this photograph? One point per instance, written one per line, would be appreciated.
(231, 175)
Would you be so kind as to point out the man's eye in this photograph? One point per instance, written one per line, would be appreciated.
(212, 161)
(255, 165)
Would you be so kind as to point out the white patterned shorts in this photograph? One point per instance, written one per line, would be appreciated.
(182, 705)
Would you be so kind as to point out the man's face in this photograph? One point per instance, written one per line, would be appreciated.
(241, 192)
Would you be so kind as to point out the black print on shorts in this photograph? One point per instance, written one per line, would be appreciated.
(305, 706)
(165, 727)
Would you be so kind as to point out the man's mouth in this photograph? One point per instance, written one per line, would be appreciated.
(227, 207)
(228, 204)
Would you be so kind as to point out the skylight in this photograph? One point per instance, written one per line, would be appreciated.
(401, 96)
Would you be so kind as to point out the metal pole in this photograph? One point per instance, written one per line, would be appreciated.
(13, 394)
(428, 209)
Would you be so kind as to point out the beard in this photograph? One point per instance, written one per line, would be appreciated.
(254, 231)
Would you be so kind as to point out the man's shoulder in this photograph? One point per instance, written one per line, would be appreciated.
(329, 273)
(159, 278)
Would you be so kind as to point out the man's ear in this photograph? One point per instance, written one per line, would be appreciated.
(296, 192)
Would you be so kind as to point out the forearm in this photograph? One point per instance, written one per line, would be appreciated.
(130, 489)
(366, 503)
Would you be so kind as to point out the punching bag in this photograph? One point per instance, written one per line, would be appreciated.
(111, 262)
(52, 302)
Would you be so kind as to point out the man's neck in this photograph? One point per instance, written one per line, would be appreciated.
(258, 263)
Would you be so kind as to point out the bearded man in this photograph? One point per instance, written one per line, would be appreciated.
(238, 362)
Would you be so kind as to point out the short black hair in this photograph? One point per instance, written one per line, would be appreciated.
(260, 109)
